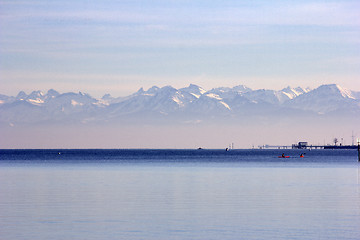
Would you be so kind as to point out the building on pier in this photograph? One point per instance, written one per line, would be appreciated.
(300, 145)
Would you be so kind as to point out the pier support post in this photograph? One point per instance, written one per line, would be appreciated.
(358, 142)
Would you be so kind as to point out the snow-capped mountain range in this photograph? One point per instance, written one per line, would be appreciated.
(191, 103)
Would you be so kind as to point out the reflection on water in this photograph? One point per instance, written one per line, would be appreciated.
(196, 201)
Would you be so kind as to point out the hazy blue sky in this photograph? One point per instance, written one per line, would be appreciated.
(119, 46)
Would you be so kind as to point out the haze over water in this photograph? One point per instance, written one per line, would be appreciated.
(179, 194)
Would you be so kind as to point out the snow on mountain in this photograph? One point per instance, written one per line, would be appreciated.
(36, 97)
(70, 103)
(52, 94)
(241, 105)
(241, 89)
(223, 93)
(264, 96)
(326, 99)
(22, 111)
(21, 96)
(162, 101)
(37, 107)
(166, 99)
(227, 94)
(345, 92)
(294, 92)
(273, 96)
(194, 90)
(208, 104)
(184, 103)
(152, 91)
(107, 99)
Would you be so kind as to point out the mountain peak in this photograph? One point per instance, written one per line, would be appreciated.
(21, 95)
(335, 89)
(241, 88)
(37, 93)
(288, 88)
(153, 89)
(106, 96)
(168, 88)
(191, 101)
(194, 90)
(293, 92)
(193, 86)
(141, 90)
(52, 92)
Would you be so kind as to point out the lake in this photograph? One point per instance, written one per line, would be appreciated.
(179, 194)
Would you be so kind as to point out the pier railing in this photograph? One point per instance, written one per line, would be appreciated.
(296, 146)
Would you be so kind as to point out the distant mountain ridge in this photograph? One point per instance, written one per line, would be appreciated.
(191, 103)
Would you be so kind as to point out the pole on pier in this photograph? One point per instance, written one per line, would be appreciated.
(358, 142)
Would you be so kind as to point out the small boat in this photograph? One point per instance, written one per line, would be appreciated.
(283, 156)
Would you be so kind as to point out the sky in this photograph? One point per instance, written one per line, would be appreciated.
(118, 47)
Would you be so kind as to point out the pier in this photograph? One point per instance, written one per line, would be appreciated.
(305, 145)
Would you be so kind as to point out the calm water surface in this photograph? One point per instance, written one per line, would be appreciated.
(179, 194)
